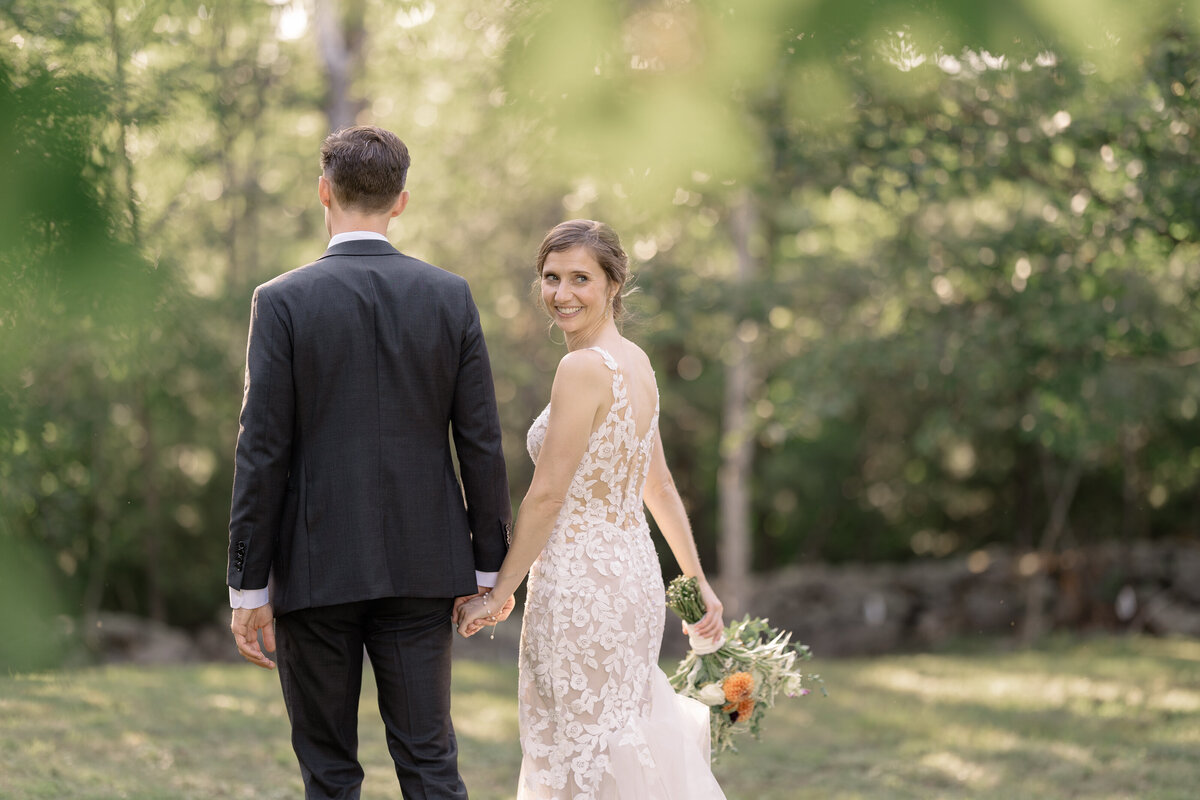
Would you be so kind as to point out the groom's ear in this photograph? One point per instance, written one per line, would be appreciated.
(401, 204)
(324, 190)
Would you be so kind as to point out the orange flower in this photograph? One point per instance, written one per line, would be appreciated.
(738, 687)
(745, 708)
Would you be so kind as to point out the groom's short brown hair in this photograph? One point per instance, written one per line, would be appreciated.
(366, 165)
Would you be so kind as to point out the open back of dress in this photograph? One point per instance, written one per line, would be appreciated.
(598, 717)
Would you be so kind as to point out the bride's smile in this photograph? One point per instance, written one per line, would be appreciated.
(577, 292)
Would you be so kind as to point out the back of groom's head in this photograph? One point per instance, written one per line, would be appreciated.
(366, 165)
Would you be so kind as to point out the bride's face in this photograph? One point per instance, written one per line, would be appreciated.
(576, 290)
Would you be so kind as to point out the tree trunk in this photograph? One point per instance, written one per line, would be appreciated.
(151, 544)
(1025, 512)
(341, 32)
(1037, 587)
(156, 603)
(735, 541)
(114, 33)
(98, 533)
(1133, 522)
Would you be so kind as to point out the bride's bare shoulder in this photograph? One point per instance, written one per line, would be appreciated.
(581, 370)
(582, 361)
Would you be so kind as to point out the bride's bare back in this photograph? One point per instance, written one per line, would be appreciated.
(596, 711)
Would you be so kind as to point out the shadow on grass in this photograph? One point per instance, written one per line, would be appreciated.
(1103, 719)
(1108, 718)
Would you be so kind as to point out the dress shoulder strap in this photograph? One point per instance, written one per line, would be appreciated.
(608, 359)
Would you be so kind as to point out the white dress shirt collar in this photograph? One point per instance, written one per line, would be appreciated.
(350, 236)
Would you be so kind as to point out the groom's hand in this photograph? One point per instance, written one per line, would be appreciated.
(460, 601)
(246, 624)
(479, 622)
(501, 615)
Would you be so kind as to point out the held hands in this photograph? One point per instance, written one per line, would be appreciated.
(710, 626)
(246, 624)
(459, 602)
(472, 614)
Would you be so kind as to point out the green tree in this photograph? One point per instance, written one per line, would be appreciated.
(917, 276)
(941, 289)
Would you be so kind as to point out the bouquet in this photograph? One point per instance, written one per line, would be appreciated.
(741, 674)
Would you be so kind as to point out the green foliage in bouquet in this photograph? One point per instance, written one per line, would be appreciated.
(742, 678)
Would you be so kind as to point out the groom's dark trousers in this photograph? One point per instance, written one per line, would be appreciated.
(361, 368)
(320, 657)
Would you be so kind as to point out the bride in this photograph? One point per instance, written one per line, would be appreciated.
(598, 718)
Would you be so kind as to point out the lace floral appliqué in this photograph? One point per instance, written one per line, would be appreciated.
(594, 615)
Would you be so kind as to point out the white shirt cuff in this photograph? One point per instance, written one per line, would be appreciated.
(487, 579)
(249, 598)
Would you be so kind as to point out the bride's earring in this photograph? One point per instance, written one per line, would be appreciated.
(550, 335)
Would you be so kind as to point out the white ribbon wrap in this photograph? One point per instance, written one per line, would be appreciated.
(702, 646)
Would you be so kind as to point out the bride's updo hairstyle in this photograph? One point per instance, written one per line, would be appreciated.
(604, 245)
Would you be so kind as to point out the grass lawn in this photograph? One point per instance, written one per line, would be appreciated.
(1103, 718)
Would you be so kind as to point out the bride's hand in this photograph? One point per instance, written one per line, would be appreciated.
(481, 612)
(711, 625)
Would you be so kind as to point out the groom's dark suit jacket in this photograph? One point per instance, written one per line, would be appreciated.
(358, 367)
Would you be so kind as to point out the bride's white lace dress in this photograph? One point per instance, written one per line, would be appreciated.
(598, 717)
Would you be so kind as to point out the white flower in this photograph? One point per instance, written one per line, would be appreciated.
(712, 695)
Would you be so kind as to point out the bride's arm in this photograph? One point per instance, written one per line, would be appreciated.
(666, 506)
(581, 391)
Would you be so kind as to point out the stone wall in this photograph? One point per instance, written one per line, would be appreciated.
(1148, 587)
(850, 610)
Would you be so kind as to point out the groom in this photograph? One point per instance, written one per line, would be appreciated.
(348, 527)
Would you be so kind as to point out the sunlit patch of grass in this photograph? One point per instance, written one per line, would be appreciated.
(1033, 690)
(1105, 718)
(972, 775)
(1182, 649)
